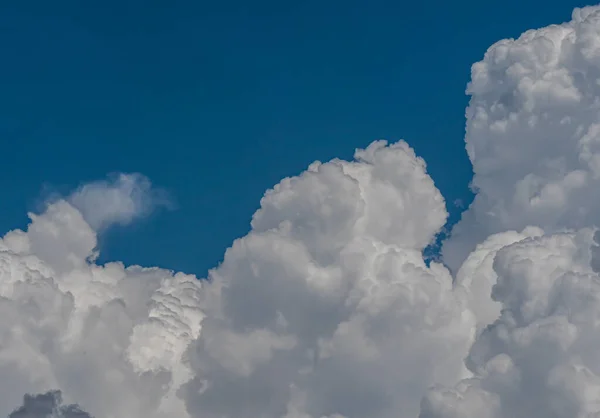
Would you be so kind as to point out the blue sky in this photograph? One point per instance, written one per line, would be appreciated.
(216, 102)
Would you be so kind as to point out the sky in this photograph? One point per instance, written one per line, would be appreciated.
(215, 102)
(213, 213)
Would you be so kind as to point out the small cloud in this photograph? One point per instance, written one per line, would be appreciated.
(118, 200)
(47, 405)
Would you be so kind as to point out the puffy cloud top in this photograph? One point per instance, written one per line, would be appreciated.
(69, 324)
(533, 133)
(385, 194)
(326, 308)
(309, 315)
(540, 357)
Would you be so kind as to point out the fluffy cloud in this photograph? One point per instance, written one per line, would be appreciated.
(69, 324)
(326, 308)
(476, 277)
(533, 134)
(120, 200)
(541, 356)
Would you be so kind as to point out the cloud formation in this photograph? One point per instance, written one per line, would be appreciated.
(326, 308)
(533, 134)
(540, 357)
(47, 405)
(353, 322)
(303, 318)
(119, 200)
(68, 324)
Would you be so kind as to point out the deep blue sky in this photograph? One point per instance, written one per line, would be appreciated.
(217, 101)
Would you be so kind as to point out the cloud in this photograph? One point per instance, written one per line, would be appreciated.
(533, 134)
(540, 357)
(120, 200)
(321, 309)
(47, 405)
(476, 277)
(111, 338)
(326, 308)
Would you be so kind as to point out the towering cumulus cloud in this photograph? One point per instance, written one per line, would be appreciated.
(326, 308)
(534, 139)
(533, 134)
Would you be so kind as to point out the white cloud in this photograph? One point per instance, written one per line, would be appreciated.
(319, 311)
(533, 139)
(326, 308)
(533, 134)
(81, 328)
(120, 200)
(476, 277)
(541, 356)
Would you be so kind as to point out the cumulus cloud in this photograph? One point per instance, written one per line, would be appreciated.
(68, 324)
(476, 277)
(326, 308)
(119, 200)
(533, 134)
(47, 405)
(540, 357)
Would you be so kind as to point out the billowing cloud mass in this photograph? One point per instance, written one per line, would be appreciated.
(353, 323)
(326, 308)
(477, 276)
(533, 134)
(68, 324)
(303, 318)
(541, 357)
(533, 138)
